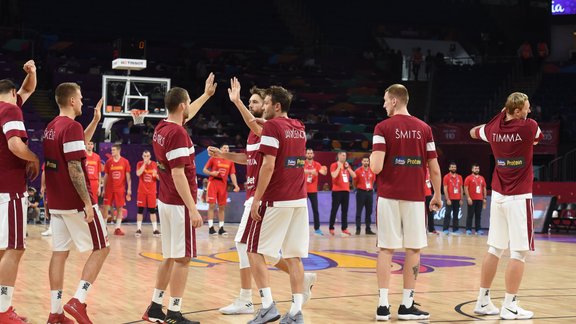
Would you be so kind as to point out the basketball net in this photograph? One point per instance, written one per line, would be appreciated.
(138, 116)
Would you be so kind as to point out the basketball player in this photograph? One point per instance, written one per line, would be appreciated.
(453, 189)
(179, 216)
(94, 167)
(511, 136)
(218, 169)
(73, 206)
(17, 164)
(402, 147)
(116, 179)
(252, 160)
(279, 211)
(364, 183)
(147, 172)
(312, 169)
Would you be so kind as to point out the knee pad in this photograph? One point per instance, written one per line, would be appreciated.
(243, 260)
(140, 210)
(518, 255)
(153, 210)
(273, 260)
(496, 252)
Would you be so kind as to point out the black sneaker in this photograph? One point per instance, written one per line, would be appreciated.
(357, 231)
(383, 313)
(156, 233)
(412, 313)
(221, 231)
(138, 233)
(154, 313)
(177, 318)
(211, 230)
(369, 231)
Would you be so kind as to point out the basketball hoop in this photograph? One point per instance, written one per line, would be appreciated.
(138, 116)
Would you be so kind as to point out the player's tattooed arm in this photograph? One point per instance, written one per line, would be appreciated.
(79, 181)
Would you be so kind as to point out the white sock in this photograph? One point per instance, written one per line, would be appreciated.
(266, 294)
(154, 226)
(139, 225)
(383, 297)
(297, 300)
(407, 297)
(246, 294)
(484, 295)
(210, 222)
(158, 296)
(5, 298)
(509, 299)
(118, 221)
(175, 304)
(220, 224)
(82, 291)
(56, 302)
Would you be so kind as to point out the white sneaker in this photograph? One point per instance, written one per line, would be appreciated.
(513, 311)
(309, 280)
(486, 308)
(238, 307)
(47, 232)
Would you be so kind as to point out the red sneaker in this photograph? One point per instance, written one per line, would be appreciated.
(119, 232)
(10, 317)
(59, 319)
(77, 310)
(346, 233)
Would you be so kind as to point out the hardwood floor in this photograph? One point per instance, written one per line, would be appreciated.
(346, 290)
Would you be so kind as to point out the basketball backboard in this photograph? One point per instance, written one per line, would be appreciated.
(124, 93)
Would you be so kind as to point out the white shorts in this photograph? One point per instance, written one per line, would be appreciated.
(283, 229)
(178, 235)
(401, 224)
(13, 210)
(511, 222)
(71, 227)
(242, 235)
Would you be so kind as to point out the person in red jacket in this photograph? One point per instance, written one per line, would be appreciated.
(311, 170)
(475, 190)
(364, 183)
(341, 173)
(453, 188)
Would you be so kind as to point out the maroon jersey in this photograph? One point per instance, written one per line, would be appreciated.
(173, 148)
(512, 144)
(408, 144)
(254, 160)
(12, 168)
(285, 139)
(63, 141)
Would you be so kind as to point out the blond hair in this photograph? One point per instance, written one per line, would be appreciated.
(64, 92)
(516, 100)
(399, 92)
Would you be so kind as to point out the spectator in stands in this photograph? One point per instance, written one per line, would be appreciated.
(220, 131)
(453, 188)
(239, 142)
(33, 203)
(429, 64)
(364, 183)
(526, 55)
(416, 62)
(543, 52)
(214, 122)
(341, 172)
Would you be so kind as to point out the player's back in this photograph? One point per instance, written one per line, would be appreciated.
(253, 162)
(63, 141)
(408, 143)
(172, 147)
(512, 143)
(286, 138)
(12, 168)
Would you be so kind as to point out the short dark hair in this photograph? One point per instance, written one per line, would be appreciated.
(258, 91)
(280, 95)
(145, 151)
(6, 86)
(452, 163)
(175, 97)
(64, 91)
(117, 146)
(475, 165)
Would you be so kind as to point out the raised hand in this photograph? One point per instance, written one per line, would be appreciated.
(98, 110)
(234, 90)
(210, 86)
(29, 67)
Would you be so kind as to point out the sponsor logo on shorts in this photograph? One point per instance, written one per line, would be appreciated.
(295, 162)
(516, 162)
(409, 161)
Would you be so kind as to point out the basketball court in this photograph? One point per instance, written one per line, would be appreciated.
(346, 290)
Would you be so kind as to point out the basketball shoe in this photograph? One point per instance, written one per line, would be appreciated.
(59, 319)
(297, 318)
(411, 313)
(156, 233)
(77, 310)
(484, 307)
(238, 307)
(177, 318)
(10, 317)
(309, 280)
(138, 233)
(154, 313)
(383, 313)
(513, 311)
(266, 315)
